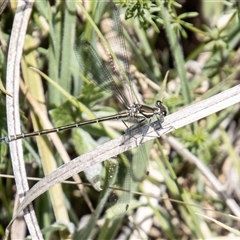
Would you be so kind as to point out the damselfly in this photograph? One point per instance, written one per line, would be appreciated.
(93, 68)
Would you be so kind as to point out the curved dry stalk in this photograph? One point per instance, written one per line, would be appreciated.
(18, 33)
(112, 148)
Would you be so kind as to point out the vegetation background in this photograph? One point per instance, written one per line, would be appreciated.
(198, 43)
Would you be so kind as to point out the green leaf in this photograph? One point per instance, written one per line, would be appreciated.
(82, 141)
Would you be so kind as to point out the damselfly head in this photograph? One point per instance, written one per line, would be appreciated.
(161, 109)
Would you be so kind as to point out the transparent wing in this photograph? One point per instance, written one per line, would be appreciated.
(93, 67)
(113, 32)
(117, 53)
(120, 195)
(129, 173)
(139, 163)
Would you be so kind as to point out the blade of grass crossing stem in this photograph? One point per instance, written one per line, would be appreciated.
(67, 45)
(176, 52)
(54, 54)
